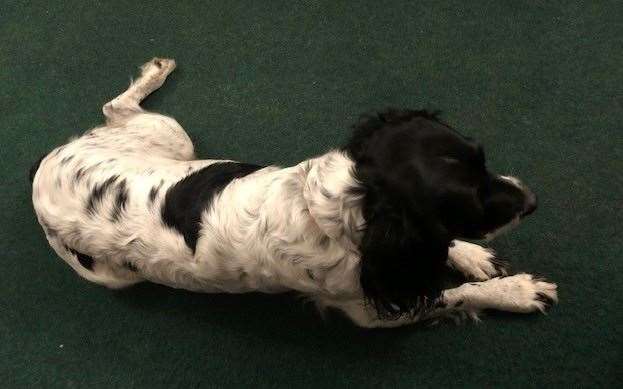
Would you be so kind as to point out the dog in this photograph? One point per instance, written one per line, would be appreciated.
(370, 229)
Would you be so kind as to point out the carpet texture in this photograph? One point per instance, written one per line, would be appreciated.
(539, 83)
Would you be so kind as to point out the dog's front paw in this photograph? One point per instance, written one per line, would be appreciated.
(522, 293)
(475, 262)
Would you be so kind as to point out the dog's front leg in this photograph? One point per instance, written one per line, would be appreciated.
(521, 293)
(474, 261)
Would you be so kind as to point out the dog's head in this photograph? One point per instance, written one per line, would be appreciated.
(424, 184)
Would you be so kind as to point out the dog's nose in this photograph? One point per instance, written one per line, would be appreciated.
(530, 204)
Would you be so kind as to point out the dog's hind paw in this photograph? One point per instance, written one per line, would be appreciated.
(158, 68)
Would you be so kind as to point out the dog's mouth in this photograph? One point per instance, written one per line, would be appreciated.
(500, 230)
(530, 206)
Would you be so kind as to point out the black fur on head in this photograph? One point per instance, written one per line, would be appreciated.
(424, 184)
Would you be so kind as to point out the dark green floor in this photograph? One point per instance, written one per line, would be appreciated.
(541, 85)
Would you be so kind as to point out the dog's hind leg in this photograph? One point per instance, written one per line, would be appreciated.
(153, 74)
(141, 131)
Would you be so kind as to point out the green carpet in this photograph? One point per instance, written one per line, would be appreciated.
(539, 84)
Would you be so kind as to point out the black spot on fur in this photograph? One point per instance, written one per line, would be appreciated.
(58, 150)
(153, 192)
(79, 174)
(66, 159)
(98, 193)
(458, 303)
(451, 244)
(310, 274)
(187, 199)
(121, 200)
(85, 260)
(34, 168)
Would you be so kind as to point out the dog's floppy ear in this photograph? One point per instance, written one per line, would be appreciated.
(402, 260)
(372, 124)
(404, 246)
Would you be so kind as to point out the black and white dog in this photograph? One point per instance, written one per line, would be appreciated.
(369, 229)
